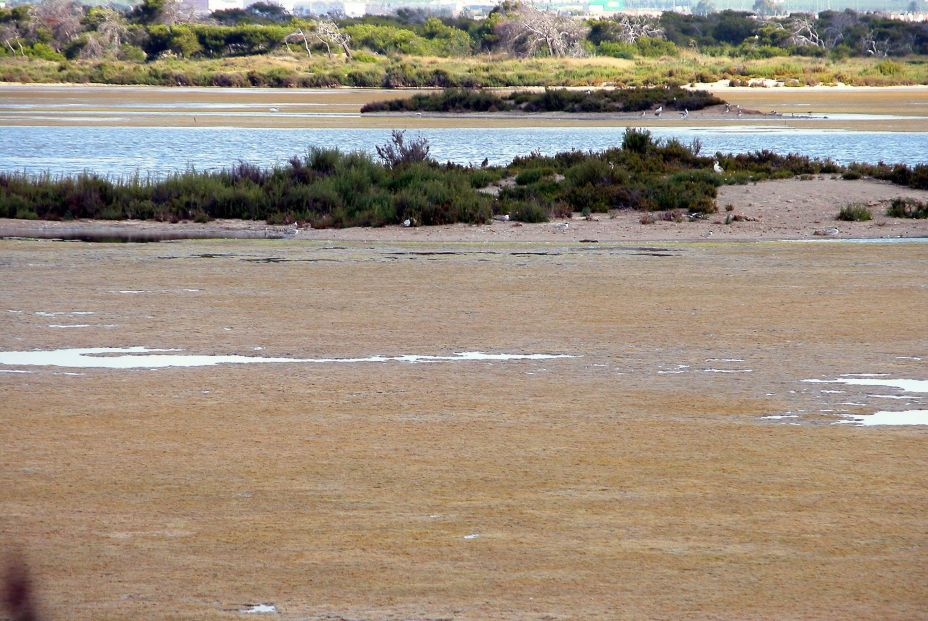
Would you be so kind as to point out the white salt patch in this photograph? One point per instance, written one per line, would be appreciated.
(144, 358)
(908, 385)
(779, 416)
(14, 311)
(69, 373)
(59, 313)
(132, 291)
(260, 609)
(904, 397)
(864, 374)
(832, 392)
(852, 403)
(728, 370)
(192, 290)
(69, 325)
(227, 329)
(910, 417)
(724, 360)
(13, 371)
(472, 536)
(907, 358)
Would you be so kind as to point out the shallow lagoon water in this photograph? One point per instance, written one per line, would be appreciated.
(908, 385)
(910, 417)
(158, 151)
(145, 358)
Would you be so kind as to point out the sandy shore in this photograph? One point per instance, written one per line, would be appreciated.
(902, 109)
(772, 210)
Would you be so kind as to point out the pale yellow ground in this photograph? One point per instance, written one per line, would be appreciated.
(340, 107)
(615, 485)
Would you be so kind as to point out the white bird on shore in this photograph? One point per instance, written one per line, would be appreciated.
(727, 108)
(561, 226)
(659, 110)
(643, 113)
(275, 109)
(407, 222)
(717, 167)
(685, 113)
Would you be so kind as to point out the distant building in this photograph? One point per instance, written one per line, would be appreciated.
(605, 7)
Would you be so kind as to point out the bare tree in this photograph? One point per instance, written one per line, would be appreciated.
(328, 32)
(803, 32)
(112, 28)
(298, 36)
(10, 34)
(526, 29)
(634, 27)
(61, 18)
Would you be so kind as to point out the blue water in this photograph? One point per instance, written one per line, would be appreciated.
(156, 151)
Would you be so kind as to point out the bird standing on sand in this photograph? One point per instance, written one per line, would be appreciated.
(685, 113)
(275, 109)
(643, 113)
(561, 226)
(659, 110)
(717, 167)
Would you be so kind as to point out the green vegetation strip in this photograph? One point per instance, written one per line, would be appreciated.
(551, 100)
(328, 188)
(265, 45)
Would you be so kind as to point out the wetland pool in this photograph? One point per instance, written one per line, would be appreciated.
(159, 151)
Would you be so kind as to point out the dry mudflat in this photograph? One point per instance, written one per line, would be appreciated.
(638, 479)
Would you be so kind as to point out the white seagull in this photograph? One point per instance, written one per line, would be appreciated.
(561, 226)
(275, 109)
(717, 168)
(685, 113)
(659, 110)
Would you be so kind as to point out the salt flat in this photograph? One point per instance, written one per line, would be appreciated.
(640, 478)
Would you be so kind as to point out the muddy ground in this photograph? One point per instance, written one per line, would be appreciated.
(639, 479)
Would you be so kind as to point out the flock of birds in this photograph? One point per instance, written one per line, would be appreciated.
(685, 114)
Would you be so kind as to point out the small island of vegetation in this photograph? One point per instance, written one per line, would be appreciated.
(550, 100)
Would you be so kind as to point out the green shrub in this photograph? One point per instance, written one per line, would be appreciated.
(527, 211)
(854, 213)
(907, 208)
(532, 175)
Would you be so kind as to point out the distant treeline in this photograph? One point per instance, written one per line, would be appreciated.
(62, 29)
(550, 100)
(328, 188)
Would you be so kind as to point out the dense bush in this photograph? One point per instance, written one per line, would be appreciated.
(907, 208)
(854, 213)
(550, 100)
